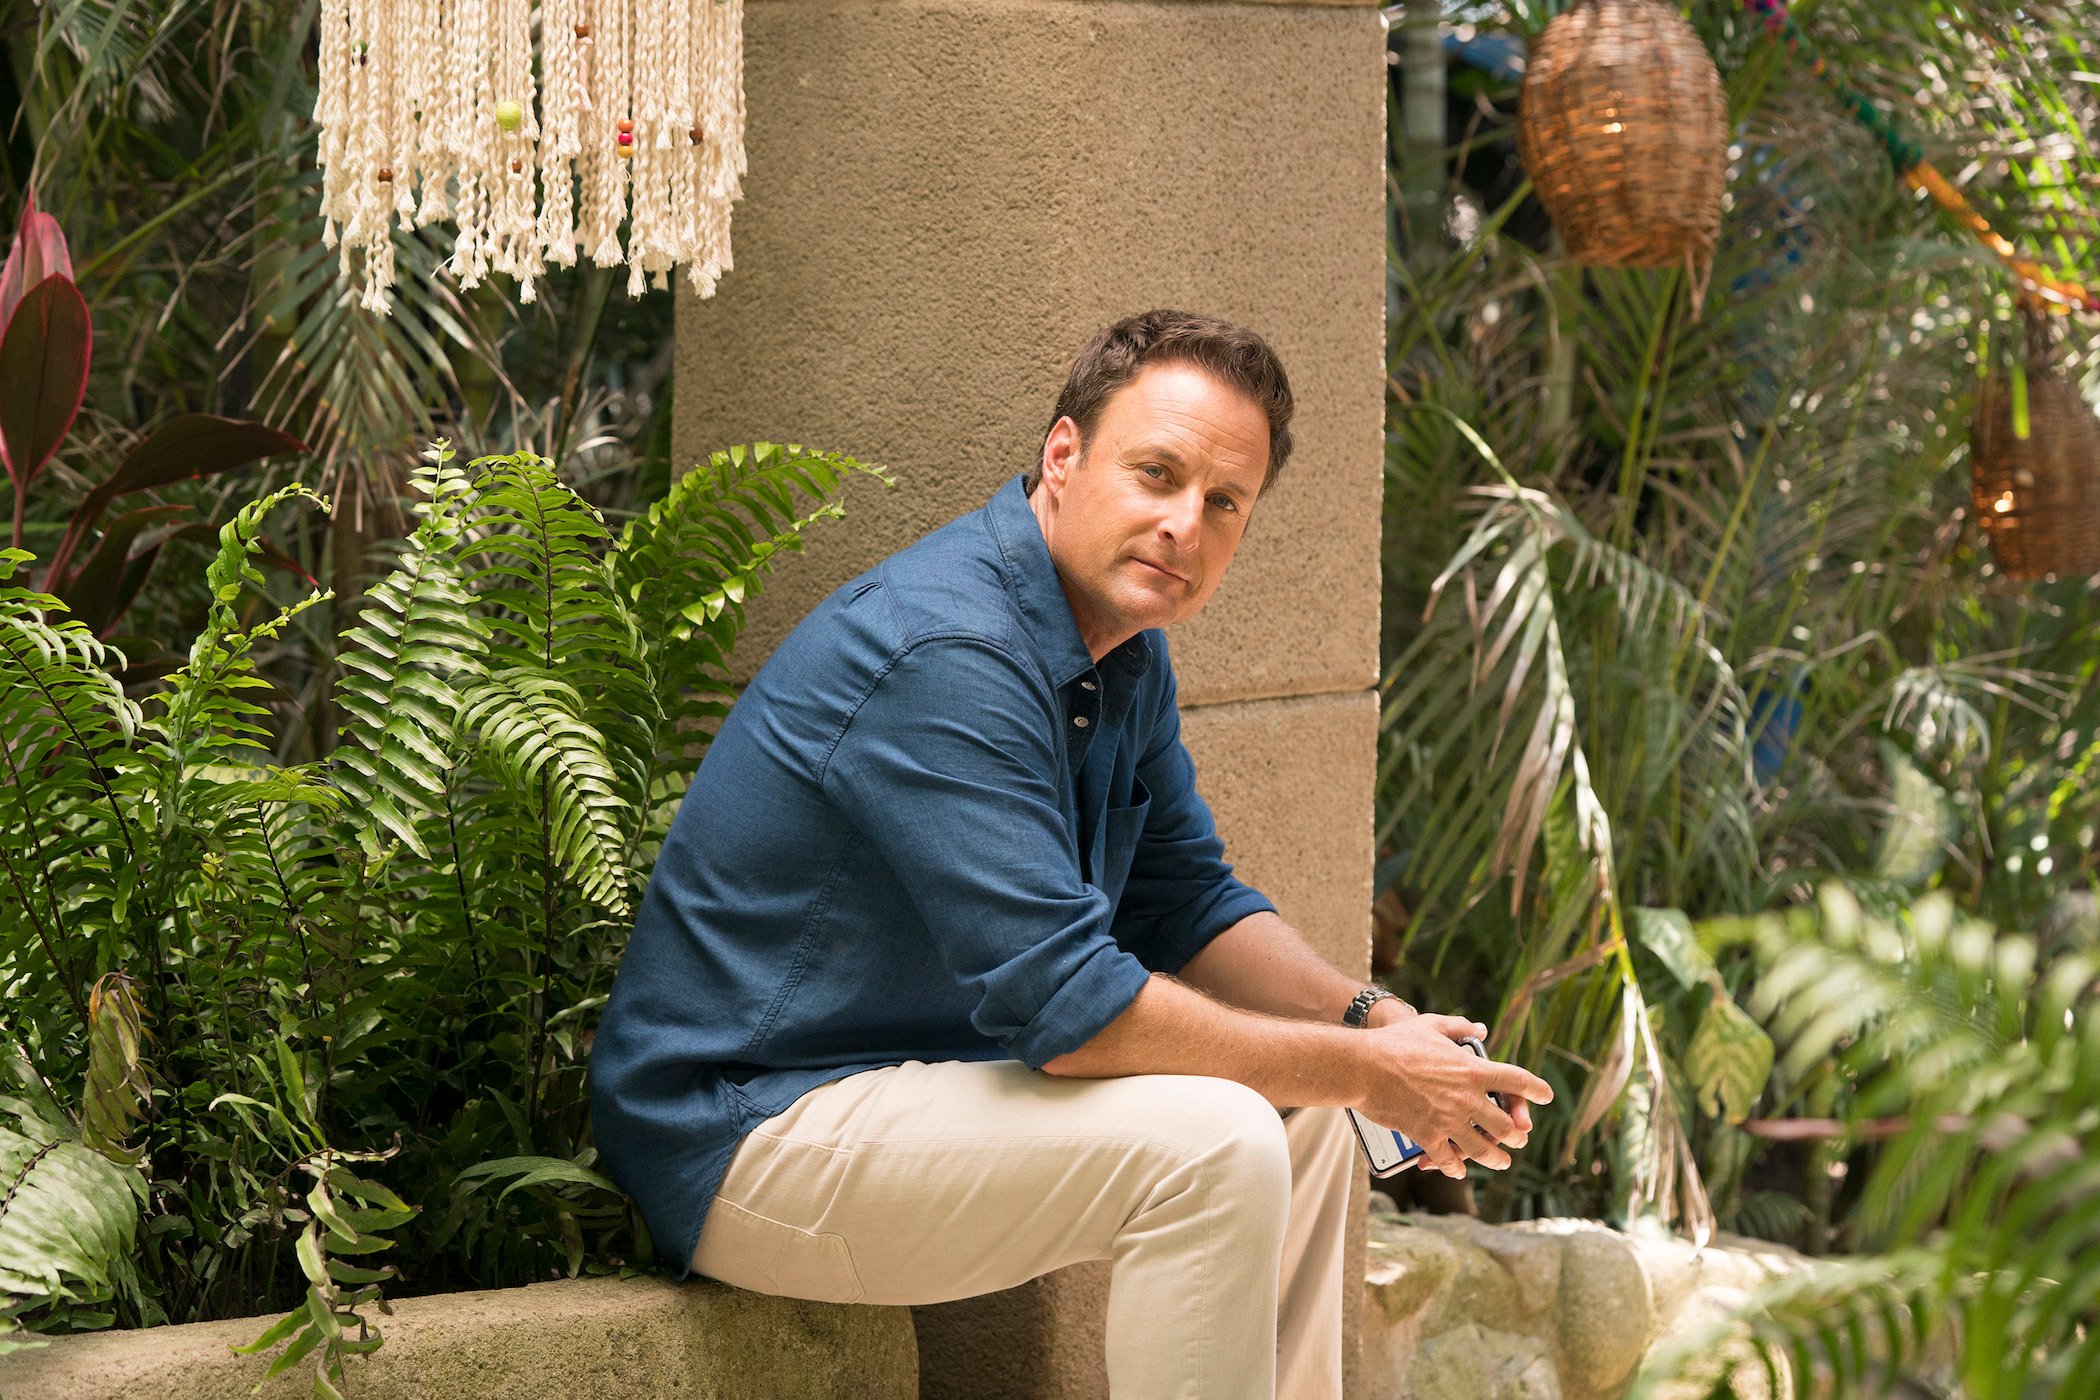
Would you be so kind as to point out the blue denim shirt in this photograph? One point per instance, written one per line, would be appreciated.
(930, 829)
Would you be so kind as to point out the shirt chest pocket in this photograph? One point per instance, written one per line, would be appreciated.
(1117, 841)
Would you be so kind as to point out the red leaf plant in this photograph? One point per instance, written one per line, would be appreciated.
(46, 346)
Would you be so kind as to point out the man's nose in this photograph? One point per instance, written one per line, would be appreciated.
(1184, 514)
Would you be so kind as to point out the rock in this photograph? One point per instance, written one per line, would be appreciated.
(1503, 1274)
(1545, 1309)
(1606, 1312)
(1405, 1267)
(1472, 1362)
(1534, 1264)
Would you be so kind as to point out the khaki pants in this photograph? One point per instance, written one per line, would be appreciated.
(925, 1183)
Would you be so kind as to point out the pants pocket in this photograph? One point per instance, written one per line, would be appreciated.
(740, 1247)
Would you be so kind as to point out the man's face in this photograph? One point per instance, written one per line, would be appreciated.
(1143, 516)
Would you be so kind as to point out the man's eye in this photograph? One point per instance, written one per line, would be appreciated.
(1153, 471)
(1225, 503)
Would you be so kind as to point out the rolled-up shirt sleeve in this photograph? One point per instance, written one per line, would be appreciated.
(948, 767)
(1181, 892)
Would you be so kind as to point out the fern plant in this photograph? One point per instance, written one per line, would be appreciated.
(1970, 1118)
(283, 1037)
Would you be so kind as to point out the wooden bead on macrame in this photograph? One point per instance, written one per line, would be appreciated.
(625, 125)
(386, 174)
(516, 165)
(695, 134)
(583, 31)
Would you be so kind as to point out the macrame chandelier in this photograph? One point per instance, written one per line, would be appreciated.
(436, 109)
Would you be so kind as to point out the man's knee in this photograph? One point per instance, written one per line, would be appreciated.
(1234, 1134)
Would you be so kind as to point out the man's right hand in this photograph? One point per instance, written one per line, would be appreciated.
(1420, 1080)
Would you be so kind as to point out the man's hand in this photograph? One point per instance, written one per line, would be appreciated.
(1391, 1011)
(1424, 1083)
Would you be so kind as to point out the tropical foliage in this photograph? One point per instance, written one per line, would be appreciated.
(283, 1035)
(98, 567)
(174, 144)
(1971, 1064)
(1725, 630)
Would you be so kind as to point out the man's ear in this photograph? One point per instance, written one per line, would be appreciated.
(1062, 450)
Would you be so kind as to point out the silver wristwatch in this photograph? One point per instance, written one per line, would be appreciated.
(1360, 1006)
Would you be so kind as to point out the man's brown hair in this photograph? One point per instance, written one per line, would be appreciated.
(1231, 354)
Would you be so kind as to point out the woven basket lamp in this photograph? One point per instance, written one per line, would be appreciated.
(2038, 497)
(1623, 128)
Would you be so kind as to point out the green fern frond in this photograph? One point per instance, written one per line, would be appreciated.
(418, 640)
(66, 838)
(1843, 1323)
(204, 715)
(1977, 1066)
(540, 571)
(696, 554)
(531, 725)
(68, 1214)
(546, 589)
(687, 567)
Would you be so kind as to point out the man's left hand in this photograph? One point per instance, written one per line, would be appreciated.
(1387, 1010)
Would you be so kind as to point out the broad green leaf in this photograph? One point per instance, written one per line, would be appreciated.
(1668, 934)
(1729, 1059)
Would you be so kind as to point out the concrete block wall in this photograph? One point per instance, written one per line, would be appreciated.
(945, 198)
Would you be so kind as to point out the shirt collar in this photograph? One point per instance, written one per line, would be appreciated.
(1040, 594)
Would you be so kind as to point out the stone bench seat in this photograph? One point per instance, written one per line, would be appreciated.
(599, 1339)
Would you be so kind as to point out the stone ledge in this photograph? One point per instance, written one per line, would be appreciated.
(637, 1339)
(1542, 1310)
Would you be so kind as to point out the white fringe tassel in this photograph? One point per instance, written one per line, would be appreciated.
(435, 109)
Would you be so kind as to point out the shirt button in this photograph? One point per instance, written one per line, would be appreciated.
(1086, 685)
(1079, 721)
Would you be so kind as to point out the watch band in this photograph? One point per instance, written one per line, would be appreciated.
(1360, 1006)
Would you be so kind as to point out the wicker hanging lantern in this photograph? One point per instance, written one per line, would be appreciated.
(2038, 497)
(1623, 129)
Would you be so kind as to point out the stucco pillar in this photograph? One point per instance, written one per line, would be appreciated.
(945, 198)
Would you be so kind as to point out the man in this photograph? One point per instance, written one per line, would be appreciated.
(942, 981)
